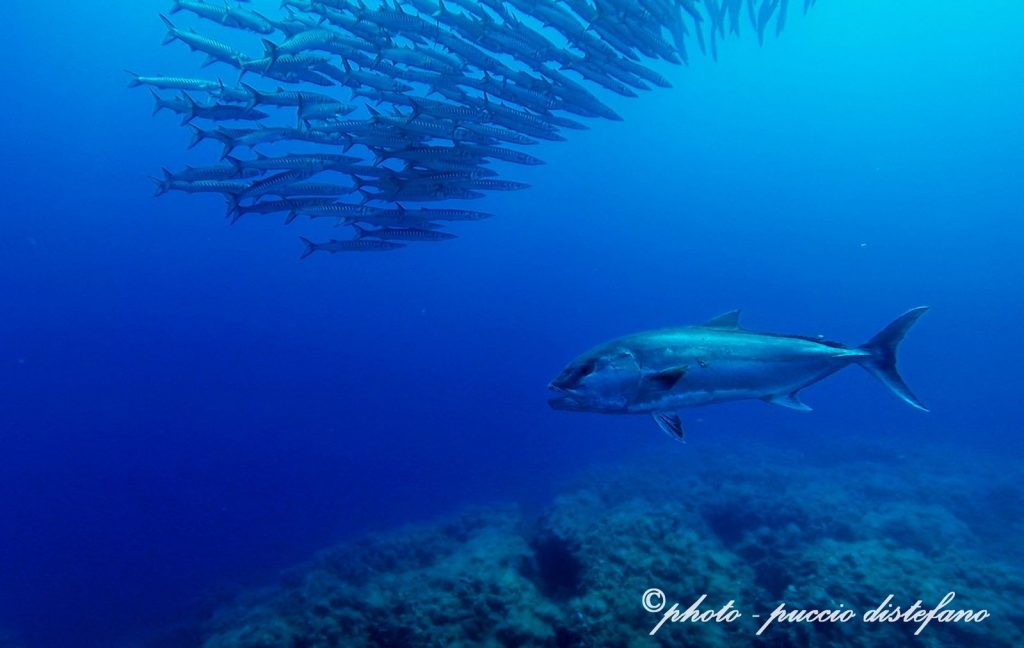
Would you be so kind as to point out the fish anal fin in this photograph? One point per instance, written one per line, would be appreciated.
(670, 424)
(791, 400)
(730, 320)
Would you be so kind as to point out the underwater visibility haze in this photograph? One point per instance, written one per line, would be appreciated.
(226, 425)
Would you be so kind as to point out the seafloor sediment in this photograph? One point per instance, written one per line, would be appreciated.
(759, 525)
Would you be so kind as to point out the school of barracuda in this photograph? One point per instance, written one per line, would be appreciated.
(396, 105)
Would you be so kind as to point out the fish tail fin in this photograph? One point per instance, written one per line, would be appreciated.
(310, 247)
(417, 110)
(198, 135)
(234, 199)
(270, 50)
(234, 207)
(161, 186)
(158, 102)
(135, 81)
(191, 112)
(881, 363)
(172, 31)
(176, 8)
(360, 232)
(300, 112)
(229, 146)
(255, 98)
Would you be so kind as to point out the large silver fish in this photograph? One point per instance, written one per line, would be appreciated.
(662, 372)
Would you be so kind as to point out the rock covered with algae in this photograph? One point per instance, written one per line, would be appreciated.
(753, 525)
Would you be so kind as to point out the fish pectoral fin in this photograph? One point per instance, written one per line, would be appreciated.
(792, 401)
(663, 381)
(670, 424)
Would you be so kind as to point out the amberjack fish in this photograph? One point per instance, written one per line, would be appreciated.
(661, 372)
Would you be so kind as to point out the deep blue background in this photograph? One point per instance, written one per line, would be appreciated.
(186, 407)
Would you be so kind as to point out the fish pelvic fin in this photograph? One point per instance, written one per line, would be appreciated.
(881, 361)
(670, 424)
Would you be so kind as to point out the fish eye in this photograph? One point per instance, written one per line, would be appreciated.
(582, 371)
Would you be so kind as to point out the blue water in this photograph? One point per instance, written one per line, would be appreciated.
(186, 408)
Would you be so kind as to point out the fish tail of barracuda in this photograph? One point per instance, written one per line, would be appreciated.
(270, 50)
(310, 247)
(881, 359)
(172, 31)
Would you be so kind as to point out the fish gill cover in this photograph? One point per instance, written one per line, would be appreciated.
(399, 105)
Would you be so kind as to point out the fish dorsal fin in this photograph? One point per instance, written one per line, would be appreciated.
(670, 424)
(792, 401)
(730, 320)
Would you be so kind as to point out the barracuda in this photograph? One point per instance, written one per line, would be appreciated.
(441, 93)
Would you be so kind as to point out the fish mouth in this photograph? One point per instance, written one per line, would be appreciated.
(564, 399)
